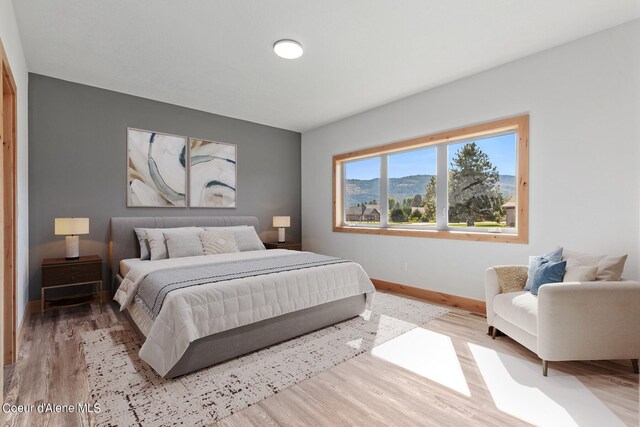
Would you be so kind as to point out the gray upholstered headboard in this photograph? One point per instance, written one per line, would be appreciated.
(124, 243)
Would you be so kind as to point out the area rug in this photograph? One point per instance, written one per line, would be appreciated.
(130, 392)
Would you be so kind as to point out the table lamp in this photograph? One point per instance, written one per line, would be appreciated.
(72, 227)
(280, 222)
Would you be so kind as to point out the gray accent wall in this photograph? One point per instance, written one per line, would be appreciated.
(77, 164)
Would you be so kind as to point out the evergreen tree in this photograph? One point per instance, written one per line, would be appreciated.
(397, 215)
(474, 191)
(392, 203)
(430, 200)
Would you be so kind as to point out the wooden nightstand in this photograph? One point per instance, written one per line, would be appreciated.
(62, 273)
(286, 245)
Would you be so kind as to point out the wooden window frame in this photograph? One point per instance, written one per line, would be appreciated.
(519, 124)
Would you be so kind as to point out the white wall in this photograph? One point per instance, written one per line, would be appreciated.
(584, 104)
(13, 47)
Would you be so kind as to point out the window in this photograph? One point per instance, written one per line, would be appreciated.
(362, 191)
(481, 177)
(411, 187)
(469, 183)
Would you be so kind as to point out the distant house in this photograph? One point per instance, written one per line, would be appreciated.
(371, 214)
(510, 211)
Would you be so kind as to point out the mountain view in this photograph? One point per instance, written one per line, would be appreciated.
(362, 191)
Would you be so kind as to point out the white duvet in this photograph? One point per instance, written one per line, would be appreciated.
(198, 311)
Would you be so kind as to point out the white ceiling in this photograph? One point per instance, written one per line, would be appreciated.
(217, 56)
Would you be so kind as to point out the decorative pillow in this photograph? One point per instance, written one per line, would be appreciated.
(218, 242)
(609, 267)
(181, 244)
(535, 261)
(580, 273)
(145, 251)
(511, 278)
(246, 237)
(580, 258)
(547, 272)
(157, 243)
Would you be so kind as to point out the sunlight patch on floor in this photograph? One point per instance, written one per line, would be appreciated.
(357, 343)
(390, 323)
(518, 388)
(428, 354)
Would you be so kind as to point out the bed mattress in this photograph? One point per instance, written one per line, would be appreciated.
(127, 264)
(189, 314)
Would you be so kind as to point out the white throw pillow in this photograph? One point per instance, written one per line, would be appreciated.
(181, 244)
(157, 243)
(218, 242)
(246, 237)
(610, 268)
(580, 273)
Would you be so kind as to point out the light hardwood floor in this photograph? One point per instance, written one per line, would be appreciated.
(365, 391)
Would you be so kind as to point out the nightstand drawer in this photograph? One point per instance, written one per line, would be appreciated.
(66, 274)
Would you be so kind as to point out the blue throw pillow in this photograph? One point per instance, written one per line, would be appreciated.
(534, 262)
(547, 272)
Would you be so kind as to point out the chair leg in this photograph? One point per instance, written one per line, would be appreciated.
(490, 331)
(493, 332)
(545, 367)
(634, 363)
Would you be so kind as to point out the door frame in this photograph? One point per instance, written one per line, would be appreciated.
(8, 136)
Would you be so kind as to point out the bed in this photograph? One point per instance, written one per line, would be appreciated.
(237, 310)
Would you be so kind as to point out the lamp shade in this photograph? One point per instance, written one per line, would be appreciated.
(71, 226)
(281, 221)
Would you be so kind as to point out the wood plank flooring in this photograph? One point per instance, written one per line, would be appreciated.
(364, 391)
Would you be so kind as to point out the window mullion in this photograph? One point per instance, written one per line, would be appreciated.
(384, 190)
(343, 181)
(442, 192)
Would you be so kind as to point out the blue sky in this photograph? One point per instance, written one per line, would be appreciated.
(501, 151)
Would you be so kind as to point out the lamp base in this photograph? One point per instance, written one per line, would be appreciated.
(72, 247)
(280, 235)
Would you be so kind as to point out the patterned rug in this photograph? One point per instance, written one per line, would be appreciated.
(130, 392)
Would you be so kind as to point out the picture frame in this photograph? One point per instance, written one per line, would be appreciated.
(156, 169)
(212, 174)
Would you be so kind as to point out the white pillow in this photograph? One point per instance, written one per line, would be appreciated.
(141, 234)
(580, 273)
(181, 244)
(218, 242)
(246, 237)
(248, 240)
(157, 243)
(609, 267)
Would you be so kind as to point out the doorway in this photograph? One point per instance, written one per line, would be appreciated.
(8, 134)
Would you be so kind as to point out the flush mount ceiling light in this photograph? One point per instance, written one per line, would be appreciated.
(288, 49)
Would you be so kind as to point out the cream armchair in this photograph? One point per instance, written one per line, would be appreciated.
(569, 321)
